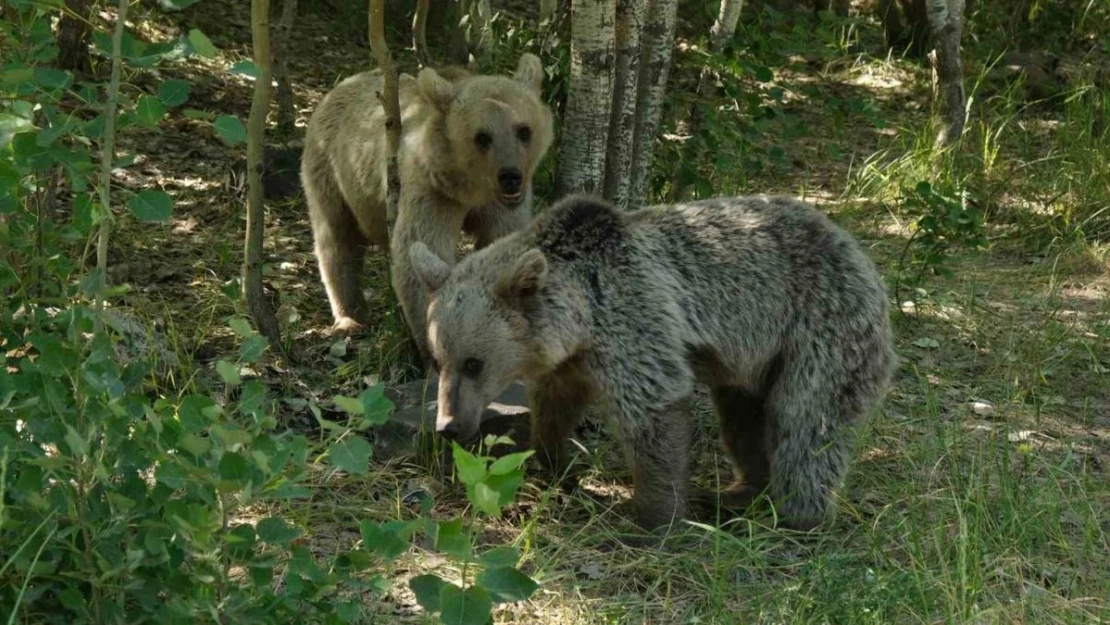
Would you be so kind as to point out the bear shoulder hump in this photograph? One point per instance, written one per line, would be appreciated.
(580, 226)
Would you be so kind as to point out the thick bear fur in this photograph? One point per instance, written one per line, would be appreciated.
(469, 147)
(763, 299)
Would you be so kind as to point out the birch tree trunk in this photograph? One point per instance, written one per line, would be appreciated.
(420, 32)
(257, 303)
(946, 19)
(389, 100)
(73, 36)
(286, 109)
(725, 27)
(480, 14)
(585, 135)
(548, 8)
(457, 51)
(622, 122)
(657, 47)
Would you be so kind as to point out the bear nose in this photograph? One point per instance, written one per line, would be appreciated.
(449, 430)
(510, 179)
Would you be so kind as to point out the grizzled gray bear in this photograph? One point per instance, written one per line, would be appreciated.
(763, 299)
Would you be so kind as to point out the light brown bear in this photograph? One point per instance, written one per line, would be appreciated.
(469, 148)
(764, 300)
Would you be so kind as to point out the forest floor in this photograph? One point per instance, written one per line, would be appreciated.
(981, 489)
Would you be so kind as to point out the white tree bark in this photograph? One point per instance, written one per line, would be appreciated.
(622, 123)
(480, 14)
(547, 9)
(585, 133)
(725, 27)
(657, 46)
(946, 19)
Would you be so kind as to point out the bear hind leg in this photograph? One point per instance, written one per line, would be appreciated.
(811, 444)
(340, 252)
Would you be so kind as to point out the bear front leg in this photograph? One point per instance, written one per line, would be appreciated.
(558, 402)
(744, 434)
(340, 256)
(411, 294)
(660, 447)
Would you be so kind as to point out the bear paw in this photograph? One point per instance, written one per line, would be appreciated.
(346, 326)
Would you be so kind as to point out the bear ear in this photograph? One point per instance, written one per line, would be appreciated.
(431, 268)
(529, 72)
(526, 277)
(433, 88)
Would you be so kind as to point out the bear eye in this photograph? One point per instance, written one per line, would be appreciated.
(483, 139)
(473, 367)
(524, 133)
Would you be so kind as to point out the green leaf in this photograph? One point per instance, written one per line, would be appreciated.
(202, 45)
(150, 110)
(77, 443)
(464, 607)
(470, 468)
(506, 485)
(351, 455)
(350, 405)
(500, 556)
(510, 462)
(451, 539)
(52, 78)
(385, 542)
(375, 405)
(230, 129)
(275, 531)
(234, 467)
(84, 213)
(486, 499)
(241, 326)
(252, 348)
(427, 589)
(174, 92)
(194, 412)
(150, 205)
(246, 68)
(229, 372)
(506, 583)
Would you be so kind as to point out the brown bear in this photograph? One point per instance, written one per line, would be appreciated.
(469, 148)
(764, 300)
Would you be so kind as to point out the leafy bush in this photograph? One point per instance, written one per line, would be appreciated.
(944, 219)
(120, 503)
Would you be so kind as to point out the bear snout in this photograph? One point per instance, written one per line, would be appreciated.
(510, 179)
(454, 429)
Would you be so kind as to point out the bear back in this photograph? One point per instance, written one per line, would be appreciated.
(581, 226)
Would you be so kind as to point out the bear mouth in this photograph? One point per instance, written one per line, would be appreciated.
(511, 199)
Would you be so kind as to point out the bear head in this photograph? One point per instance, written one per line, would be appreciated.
(481, 329)
(494, 131)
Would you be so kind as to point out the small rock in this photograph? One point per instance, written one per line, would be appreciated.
(982, 408)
